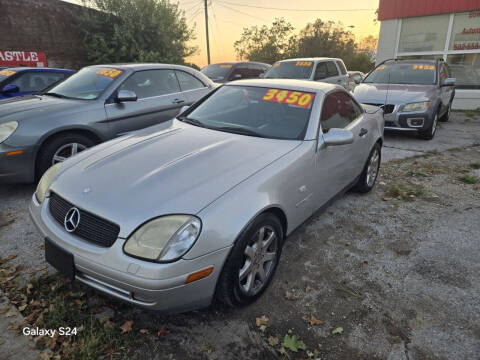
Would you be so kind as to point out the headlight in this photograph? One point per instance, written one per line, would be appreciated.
(46, 181)
(7, 129)
(164, 239)
(417, 106)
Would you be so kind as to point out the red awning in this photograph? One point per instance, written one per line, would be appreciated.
(393, 9)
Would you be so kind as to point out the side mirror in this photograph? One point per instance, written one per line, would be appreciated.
(183, 109)
(449, 82)
(125, 95)
(10, 89)
(338, 137)
(357, 80)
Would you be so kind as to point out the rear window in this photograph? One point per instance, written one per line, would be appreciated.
(403, 73)
(217, 72)
(290, 70)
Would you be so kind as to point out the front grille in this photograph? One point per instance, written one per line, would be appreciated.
(90, 227)
(387, 109)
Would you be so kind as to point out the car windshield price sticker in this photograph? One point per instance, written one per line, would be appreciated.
(295, 98)
(423, 67)
(226, 66)
(7, 73)
(110, 73)
(303, 63)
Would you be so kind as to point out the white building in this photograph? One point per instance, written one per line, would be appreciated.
(430, 29)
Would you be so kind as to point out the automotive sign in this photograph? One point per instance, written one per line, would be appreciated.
(11, 58)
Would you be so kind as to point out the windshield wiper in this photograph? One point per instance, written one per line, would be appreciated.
(238, 130)
(56, 95)
(191, 121)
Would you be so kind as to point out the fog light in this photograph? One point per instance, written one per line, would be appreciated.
(415, 122)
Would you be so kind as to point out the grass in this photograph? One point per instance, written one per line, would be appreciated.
(475, 165)
(470, 112)
(406, 192)
(469, 179)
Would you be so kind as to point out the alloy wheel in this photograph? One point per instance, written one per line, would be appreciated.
(260, 256)
(66, 151)
(372, 170)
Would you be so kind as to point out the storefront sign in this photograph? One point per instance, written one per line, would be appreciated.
(22, 58)
(467, 46)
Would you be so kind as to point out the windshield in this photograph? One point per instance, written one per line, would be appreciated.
(254, 111)
(87, 84)
(290, 70)
(6, 73)
(401, 73)
(217, 72)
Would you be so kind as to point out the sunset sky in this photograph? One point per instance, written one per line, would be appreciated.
(229, 17)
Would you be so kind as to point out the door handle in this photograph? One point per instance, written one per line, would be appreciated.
(178, 101)
(339, 81)
(363, 132)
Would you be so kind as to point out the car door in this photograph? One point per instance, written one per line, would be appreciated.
(446, 92)
(158, 99)
(192, 88)
(343, 74)
(342, 163)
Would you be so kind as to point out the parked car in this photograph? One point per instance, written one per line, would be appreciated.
(228, 71)
(199, 207)
(329, 70)
(21, 81)
(354, 78)
(414, 94)
(96, 104)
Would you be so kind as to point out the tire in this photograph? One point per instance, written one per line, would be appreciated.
(369, 175)
(446, 116)
(240, 269)
(57, 150)
(429, 132)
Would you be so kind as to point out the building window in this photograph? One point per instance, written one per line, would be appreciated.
(421, 34)
(465, 32)
(466, 69)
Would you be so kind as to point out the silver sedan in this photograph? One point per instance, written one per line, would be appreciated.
(170, 217)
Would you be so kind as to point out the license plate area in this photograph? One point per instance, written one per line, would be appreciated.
(60, 259)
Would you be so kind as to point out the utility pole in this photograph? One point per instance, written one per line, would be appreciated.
(206, 31)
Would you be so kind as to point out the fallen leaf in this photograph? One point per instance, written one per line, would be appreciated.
(262, 320)
(8, 258)
(272, 340)
(163, 331)
(23, 307)
(262, 328)
(108, 324)
(109, 352)
(29, 288)
(308, 289)
(127, 326)
(11, 313)
(45, 355)
(312, 320)
(290, 295)
(282, 351)
(144, 331)
(293, 343)
(338, 331)
(41, 267)
(208, 348)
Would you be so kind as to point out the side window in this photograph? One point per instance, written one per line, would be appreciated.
(342, 67)
(151, 83)
(320, 71)
(36, 81)
(331, 69)
(338, 111)
(188, 81)
(241, 70)
(256, 70)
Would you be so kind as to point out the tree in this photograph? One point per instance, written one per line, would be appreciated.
(265, 44)
(135, 31)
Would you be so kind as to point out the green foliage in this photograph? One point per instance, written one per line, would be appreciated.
(329, 39)
(135, 31)
(265, 44)
(469, 179)
(293, 343)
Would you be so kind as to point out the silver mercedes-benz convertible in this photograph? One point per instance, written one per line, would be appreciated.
(172, 216)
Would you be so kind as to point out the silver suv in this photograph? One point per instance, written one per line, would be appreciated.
(329, 70)
(414, 94)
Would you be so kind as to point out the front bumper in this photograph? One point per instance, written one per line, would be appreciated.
(149, 285)
(16, 164)
(408, 121)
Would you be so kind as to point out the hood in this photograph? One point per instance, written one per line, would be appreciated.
(27, 107)
(392, 94)
(172, 168)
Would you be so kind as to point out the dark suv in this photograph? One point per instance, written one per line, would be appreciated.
(414, 94)
(228, 71)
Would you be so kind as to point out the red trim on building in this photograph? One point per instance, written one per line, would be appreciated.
(394, 9)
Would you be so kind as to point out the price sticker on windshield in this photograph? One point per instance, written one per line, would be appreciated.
(110, 73)
(7, 73)
(303, 63)
(225, 66)
(423, 67)
(294, 98)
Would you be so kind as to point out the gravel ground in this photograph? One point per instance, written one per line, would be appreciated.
(396, 269)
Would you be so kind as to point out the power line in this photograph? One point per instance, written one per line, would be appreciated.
(240, 12)
(289, 9)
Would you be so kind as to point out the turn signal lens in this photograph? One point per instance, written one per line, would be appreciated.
(199, 275)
